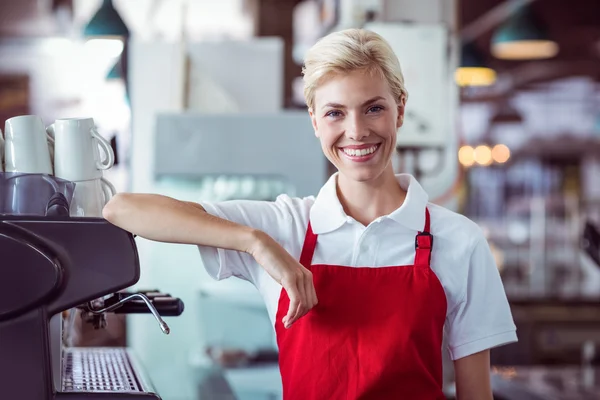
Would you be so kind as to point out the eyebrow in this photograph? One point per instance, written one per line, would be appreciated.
(336, 105)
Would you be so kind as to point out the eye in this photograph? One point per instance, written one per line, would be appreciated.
(375, 109)
(333, 114)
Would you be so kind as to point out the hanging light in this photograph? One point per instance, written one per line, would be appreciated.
(483, 155)
(106, 31)
(522, 37)
(466, 156)
(500, 153)
(472, 70)
(106, 23)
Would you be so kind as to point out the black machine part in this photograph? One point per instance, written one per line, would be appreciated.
(51, 264)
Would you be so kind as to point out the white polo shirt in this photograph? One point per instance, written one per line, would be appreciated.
(478, 315)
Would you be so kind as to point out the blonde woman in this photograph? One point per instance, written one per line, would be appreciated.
(362, 280)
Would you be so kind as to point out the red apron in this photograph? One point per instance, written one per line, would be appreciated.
(375, 334)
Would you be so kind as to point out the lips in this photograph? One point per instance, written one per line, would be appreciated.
(360, 153)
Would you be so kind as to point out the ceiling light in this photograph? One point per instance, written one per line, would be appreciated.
(522, 37)
(483, 155)
(106, 23)
(466, 156)
(500, 153)
(473, 71)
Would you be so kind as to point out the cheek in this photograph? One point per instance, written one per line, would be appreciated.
(329, 133)
(389, 127)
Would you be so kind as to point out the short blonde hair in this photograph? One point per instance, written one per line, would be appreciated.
(347, 51)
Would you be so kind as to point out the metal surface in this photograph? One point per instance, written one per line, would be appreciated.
(98, 370)
(163, 325)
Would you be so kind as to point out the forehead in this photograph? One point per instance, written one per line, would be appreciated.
(351, 88)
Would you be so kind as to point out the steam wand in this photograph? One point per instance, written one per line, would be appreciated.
(163, 325)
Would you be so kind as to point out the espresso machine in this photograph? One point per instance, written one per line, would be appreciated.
(50, 263)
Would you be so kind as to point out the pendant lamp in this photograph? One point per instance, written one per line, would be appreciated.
(106, 23)
(523, 37)
(473, 71)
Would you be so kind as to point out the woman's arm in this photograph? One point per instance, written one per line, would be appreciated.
(164, 219)
(473, 377)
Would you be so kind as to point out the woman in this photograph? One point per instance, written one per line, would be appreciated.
(361, 281)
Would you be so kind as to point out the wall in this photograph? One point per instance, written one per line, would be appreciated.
(441, 184)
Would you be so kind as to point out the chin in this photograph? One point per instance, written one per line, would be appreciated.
(361, 174)
(360, 170)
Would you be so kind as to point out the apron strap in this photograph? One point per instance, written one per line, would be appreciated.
(423, 244)
(308, 250)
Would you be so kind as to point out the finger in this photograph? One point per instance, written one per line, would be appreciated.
(292, 293)
(299, 313)
(290, 287)
(310, 292)
(293, 307)
(302, 299)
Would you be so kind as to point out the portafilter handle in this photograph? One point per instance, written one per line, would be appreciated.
(163, 325)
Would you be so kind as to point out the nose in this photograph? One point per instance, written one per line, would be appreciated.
(356, 129)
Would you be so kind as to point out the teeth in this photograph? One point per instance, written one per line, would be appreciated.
(360, 152)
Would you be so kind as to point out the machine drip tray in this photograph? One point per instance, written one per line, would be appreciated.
(98, 370)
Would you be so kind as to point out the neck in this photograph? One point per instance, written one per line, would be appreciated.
(367, 201)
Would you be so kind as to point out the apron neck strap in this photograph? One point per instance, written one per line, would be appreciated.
(423, 245)
(308, 250)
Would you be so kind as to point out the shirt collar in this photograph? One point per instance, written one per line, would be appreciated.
(327, 213)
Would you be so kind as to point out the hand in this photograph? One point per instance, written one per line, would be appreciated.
(289, 273)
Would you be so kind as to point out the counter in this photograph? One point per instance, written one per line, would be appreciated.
(261, 382)
(546, 383)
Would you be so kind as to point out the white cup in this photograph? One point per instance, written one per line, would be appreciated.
(77, 147)
(90, 197)
(27, 146)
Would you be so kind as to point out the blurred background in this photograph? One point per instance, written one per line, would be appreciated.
(202, 100)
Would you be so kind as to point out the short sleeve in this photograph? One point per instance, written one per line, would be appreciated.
(482, 319)
(275, 218)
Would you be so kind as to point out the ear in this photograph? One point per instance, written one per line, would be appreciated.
(401, 107)
(313, 119)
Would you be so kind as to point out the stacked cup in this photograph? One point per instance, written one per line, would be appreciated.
(27, 147)
(77, 158)
(69, 149)
(26, 150)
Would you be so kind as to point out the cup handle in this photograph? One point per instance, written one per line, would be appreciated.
(110, 155)
(108, 189)
(50, 140)
(1, 152)
(50, 133)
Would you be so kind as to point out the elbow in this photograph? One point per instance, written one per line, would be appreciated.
(116, 207)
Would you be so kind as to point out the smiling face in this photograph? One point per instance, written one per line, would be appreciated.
(355, 116)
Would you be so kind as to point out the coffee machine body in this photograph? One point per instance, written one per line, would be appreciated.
(53, 264)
